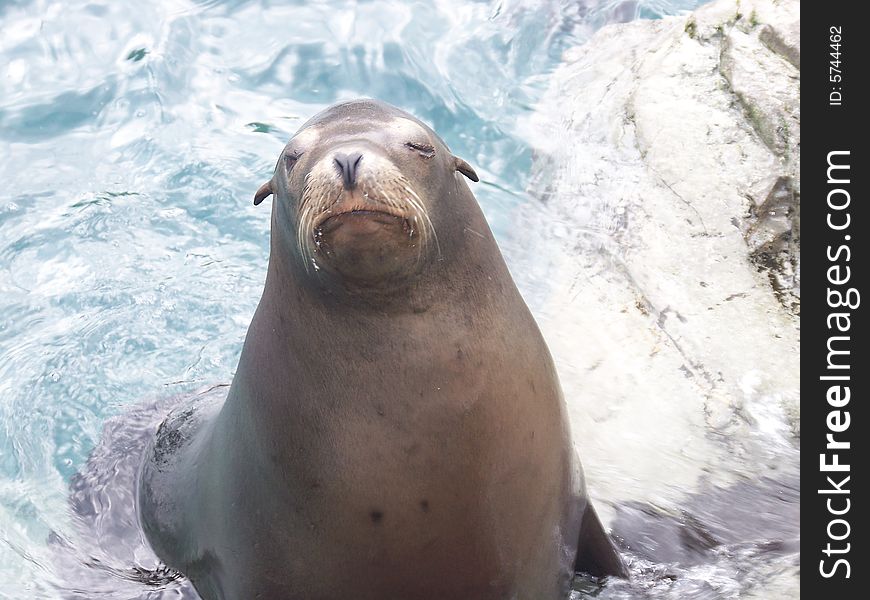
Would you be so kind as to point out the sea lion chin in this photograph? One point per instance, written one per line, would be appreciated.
(368, 247)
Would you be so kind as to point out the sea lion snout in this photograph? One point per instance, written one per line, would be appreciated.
(361, 218)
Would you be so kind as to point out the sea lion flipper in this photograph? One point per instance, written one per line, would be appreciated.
(264, 192)
(595, 552)
(466, 169)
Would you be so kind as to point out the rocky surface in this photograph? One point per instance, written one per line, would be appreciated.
(668, 175)
(673, 147)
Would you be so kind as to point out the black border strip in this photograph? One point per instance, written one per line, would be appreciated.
(835, 223)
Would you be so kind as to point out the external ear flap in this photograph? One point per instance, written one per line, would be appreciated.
(465, 168)
(264, 192)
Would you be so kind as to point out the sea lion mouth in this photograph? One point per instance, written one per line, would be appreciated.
(367, 246)
(354, 224)
(332, 220)
(363, 220)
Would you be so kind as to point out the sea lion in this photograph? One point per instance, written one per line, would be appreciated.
(395, 428)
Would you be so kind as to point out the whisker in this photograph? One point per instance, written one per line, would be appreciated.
(418, 204)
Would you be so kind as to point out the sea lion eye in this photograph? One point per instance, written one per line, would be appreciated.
(290, 159)
(424, 150)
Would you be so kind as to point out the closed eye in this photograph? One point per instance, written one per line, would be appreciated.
(290, 159)
(424, 150)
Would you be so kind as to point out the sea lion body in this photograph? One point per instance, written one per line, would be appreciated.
(395, 428)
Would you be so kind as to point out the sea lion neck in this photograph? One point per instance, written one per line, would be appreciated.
(299, 333)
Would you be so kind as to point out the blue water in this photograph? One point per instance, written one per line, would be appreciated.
(132, 137)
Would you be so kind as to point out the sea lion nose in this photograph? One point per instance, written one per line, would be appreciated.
(348, 165)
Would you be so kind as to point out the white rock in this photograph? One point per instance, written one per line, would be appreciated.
(673, 147)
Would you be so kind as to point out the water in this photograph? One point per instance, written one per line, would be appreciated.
(133, 136)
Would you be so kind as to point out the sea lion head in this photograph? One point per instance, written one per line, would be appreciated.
(359, 190)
